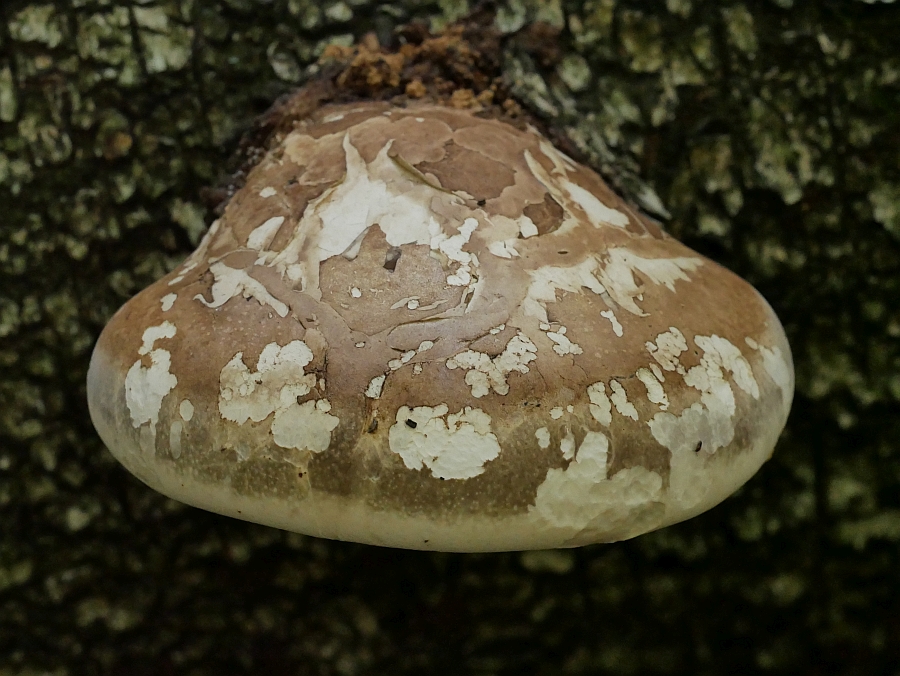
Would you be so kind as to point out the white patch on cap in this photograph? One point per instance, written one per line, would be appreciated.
(262, 236)
(373, 391)
(598, 213)
(168, 301)
(655, 391)
(186, 410)
(230, 283)
(778, 368)
(306, 427)
(562, 345)
(485, 374)
(385, 192)
(146, 387)
(527, 228)
(267, 192)
(395, 364)
(601, 407)
(542, 434)
(503, 249)
(582, 496)
(275, 386)
(620, 400)
(175, 430)
(729, 357)
(153, 333)
(190, 266)
(618, 271)
(277, 382)
(567, 445)
(571, 196)
(547, 280)
(455, 446)
(709, 422)
(452, 246)
(556, 412)
(356, 293)
(613, 278)
(561, 162)
(667, 349)
(611, 316)
(689, 477)
(780, 371)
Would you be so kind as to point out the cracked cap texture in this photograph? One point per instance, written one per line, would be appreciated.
(421, 327)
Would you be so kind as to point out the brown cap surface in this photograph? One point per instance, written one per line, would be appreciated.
(420, 328)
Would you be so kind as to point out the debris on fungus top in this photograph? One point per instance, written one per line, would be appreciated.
(418, 323)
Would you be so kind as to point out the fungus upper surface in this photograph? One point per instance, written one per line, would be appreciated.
(424, 328)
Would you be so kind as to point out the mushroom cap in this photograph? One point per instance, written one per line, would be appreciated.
(424, 328)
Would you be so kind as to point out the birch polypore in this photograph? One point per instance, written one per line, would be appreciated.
(420, 327)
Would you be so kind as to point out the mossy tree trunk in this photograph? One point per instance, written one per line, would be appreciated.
(768, 133)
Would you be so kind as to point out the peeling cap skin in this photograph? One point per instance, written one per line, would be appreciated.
(422, 328)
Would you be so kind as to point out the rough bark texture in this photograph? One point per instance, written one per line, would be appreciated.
(769, 132)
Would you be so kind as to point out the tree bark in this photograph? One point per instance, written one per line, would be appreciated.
(764, 134)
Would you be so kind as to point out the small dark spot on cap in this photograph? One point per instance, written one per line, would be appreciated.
(562, 253)
(391, 258)
(480, 203)
(373, 425)
(411, 423)
(698, 447)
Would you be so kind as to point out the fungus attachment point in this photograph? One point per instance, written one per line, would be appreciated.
(550, 369)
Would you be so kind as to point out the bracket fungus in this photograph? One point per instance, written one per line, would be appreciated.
(422, 325)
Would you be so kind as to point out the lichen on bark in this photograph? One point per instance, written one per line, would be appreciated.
(764, 134)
